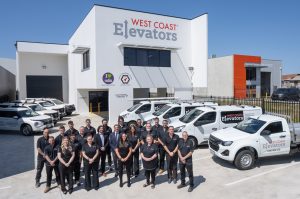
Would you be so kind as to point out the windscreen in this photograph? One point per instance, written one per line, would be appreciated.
(190, 116)
(250, 125)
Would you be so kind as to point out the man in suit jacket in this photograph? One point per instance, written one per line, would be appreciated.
(113, 142)
(102, 141)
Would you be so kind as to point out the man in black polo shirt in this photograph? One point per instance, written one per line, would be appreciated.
(185, 152)
(71, 129)
(60, 137)
(162, 153)
(41, 144)
(81, 137)
(107, 131)
(88, 129)
(139, 127)
(171, 147)
(151, 132)
(51, 163)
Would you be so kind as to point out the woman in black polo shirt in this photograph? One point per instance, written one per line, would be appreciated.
(123, 152)
(150, 160)
(134, 140)
(66, 156)
(90, 153)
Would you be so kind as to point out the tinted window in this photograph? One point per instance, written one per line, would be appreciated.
(190, 116)
(153, 57)
(8, 114)
(129, 56)
(207, 118)
(142, 57)
(188, 109)
(134, 107)
(165, 58)
(86, 60)
(250, 125)
(275, 127)
(229, 117)
(173, 112)
(158, 106)
(144, 108)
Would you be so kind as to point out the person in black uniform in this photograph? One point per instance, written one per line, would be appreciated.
(71, 129)
(77, 159)
(102, 141)
(149, 154)
(90, 153)
(123, 152)
(60, 137)
(147, 132)
(139, 127)
(134, 140)
(113, 142)
(41, 144)
(123, 128)
(66, 156)
(107, 131)
(52, 163)
(162, 153)
(171, 146)
(88, 129)
(81, 137)
(185, 152)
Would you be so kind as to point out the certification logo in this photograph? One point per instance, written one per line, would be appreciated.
(125, 78)
(108, 78)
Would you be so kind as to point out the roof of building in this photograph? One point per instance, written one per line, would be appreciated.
(290, 77)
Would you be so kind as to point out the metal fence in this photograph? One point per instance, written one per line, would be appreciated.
(290, 108)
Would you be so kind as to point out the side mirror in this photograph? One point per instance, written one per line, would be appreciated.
(16, 117)
(265, 132)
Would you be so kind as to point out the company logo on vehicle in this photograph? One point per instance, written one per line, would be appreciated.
(232, 117)
(146, 29)
(125, 78)
(108, 78)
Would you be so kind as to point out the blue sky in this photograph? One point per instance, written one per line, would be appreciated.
(269, 28)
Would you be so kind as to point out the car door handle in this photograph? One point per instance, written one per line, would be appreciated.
(282, 136)
(214, 129)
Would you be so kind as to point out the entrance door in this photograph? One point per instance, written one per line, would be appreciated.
(265, 83)
(98, 101)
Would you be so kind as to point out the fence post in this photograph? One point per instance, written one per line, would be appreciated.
(263, 105)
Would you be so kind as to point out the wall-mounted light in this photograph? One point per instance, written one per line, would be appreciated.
(44, 67)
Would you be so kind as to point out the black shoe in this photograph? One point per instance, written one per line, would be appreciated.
(146, 185)
(135, 176)
(190, 189)
(152, 186)
(174, 181)
(181, 186)
(121, 184)
(110, 168)
(129, 184)
(170, 180)
(64, 191)
(87, 189)
(70, 191)
(37, 184)
(96, 188)
(116, 175)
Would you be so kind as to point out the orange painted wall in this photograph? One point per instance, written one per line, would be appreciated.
(239, 73)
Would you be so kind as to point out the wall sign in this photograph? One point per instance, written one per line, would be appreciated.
(125, 78)
(108, 78)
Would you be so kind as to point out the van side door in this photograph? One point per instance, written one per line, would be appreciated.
(205, 125)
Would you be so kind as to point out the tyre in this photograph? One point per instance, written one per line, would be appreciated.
(194, 141)
(131, 122)
(244, 160)
(26, 130)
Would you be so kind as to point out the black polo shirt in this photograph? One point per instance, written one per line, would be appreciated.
(148, 152)
(66, 154)
(171, 142)
(77, 148)
(185, 147)
(133, 139)
(51, 152)
(90, 151)
(81, 139)
(41, 143)
(145, 133)
(139, 130)
(69, 131)
(163, 133)
(90, 130)
(107, 130)
(124, 148)
(59, 139)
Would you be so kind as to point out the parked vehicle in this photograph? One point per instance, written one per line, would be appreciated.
(142, 110)
(69, 108)
(202, 121)
(51, 106)
(174, 111)
(24, 120)
(287, 94)
(256, 137)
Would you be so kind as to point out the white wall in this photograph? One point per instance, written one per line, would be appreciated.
(275, 69)
(9, 64)
(220, 76)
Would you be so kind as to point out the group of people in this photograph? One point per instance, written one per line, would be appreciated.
(122, 147)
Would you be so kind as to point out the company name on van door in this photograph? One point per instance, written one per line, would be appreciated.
(146, 29)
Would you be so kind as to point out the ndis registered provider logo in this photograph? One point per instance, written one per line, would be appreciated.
(108, 78)
(142, 28)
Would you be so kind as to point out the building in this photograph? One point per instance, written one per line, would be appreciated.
(7, 79)
(242, 76)
(291, 80)
(114, 56)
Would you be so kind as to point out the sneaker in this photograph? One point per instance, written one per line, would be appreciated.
(174, 181)
(161, 171)
(190, 189)
(170, 180)
(47, 189)
(37, 184)
(181, 186)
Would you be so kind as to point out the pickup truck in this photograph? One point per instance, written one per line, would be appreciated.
(256, 137)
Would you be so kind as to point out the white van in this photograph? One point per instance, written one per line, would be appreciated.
(141, 110)
(202, 121)
(174, 111)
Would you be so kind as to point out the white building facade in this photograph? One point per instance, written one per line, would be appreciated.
(114, 55)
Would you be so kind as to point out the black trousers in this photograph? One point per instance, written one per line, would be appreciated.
(148, 174)
(49, 171)
(172, 166)
(76, 170)
(189, 169)
(102, 161)
(115, 159)
(127, 165)
(66, 173)
(90, 169)
(162, 157)
(108, 154)
(135, 163)
(39, 168)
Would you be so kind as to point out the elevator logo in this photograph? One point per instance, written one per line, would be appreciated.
(141, 28)
(108, 78)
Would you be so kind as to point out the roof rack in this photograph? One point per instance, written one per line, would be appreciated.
(153, 99)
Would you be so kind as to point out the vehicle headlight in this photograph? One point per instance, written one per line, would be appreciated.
(179, 129)
(38, 123)
(226, 143)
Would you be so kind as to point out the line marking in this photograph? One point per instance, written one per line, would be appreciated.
(8, 187)
(261, 174)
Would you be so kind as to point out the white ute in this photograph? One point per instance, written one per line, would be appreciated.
(202, 121)
(256, 137)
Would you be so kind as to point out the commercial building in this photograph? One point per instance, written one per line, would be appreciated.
(242, 76)
(7, 79)
(291, 80)
(114, 56)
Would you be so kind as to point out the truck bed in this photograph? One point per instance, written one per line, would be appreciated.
(295, 130)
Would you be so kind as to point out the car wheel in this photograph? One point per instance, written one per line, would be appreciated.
(244, 160)
(194, 141)
(26, 130)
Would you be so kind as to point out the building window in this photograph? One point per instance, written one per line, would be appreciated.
(147, 57)
(86, 60)
(251, 74)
